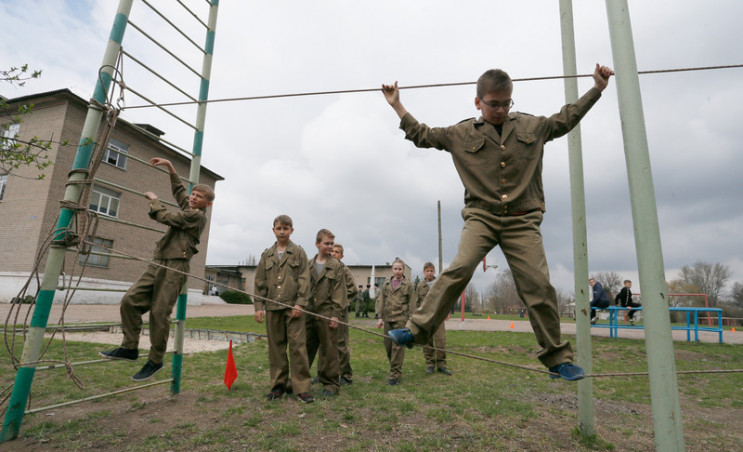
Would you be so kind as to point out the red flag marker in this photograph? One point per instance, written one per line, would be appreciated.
(230, 372)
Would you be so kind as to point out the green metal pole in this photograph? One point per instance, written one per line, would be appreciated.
(580, 247)
(665, 403)
(35, 336)
(198, 140)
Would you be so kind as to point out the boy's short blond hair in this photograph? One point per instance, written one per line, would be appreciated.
(339, 246)
(323, 233)
(206, 190)
(283, 219)
(428, 265)
(493, 80)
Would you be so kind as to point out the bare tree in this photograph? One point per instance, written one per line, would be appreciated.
(736, 295)
(502, 293)
(708, 278)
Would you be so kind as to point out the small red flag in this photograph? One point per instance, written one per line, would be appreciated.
(230, 372)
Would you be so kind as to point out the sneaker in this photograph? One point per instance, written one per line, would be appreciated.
(121, 353)
(632, 322)
(147, 371)
(328, 393)
(402, 337)
(568, 371)
(429, 370)
(594, 320)
(305, 397)
(345, 381)
(444, 371)
(393, 382)
(277, 394)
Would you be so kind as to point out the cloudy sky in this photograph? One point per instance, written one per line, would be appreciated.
(339, 161)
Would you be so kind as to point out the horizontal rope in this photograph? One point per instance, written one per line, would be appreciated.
(434, 85)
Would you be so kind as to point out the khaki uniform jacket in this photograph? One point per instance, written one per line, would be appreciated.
(184, 227)
(501, 173)
(327, 291)
(421, 291)
(394, 305)
(286, 280)
(351, 290)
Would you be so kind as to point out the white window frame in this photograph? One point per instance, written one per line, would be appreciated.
(104, 201)
(99, 245)
(3, 183)
(7, 136)
(116, 154)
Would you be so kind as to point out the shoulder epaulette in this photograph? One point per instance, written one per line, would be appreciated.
(465, 120)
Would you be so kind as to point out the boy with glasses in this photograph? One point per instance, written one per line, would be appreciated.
(499, 160)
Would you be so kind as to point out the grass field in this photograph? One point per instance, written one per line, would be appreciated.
(483, 406)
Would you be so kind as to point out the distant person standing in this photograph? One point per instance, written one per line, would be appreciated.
(344, 352)
(359, 300)
(624, 297)
(435, 359)
(393, 308)
(600, 298)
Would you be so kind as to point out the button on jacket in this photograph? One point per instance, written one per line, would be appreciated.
(185, 226)
(328, 291)
(285, 279)
(501, 173)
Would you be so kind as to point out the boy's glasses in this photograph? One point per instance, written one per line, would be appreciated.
(493, 104)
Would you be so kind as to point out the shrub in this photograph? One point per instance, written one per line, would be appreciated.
(235, 297)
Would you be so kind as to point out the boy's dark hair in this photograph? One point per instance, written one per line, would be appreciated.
(323, 233)
(428, 265)
(206, 190)
(493, 80)
(283, 219)
(627, 281)
(338, 245)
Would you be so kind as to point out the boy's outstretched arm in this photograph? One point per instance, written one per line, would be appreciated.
(601, 77)
(392, 94)
(163, 162)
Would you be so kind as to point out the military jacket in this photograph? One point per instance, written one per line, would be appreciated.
(501, 172)
(184, 227)
(420, 292)
(394, 305)
(327, 291)
(351, 290)
(285, 279)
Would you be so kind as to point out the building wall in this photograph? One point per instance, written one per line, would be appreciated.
(30, 207)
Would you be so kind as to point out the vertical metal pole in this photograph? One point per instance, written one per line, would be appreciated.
(198, 140)
(35, 338)
(662, 368)
(580, 247)
(441, 253)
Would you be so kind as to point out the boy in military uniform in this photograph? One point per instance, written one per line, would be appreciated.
(344, 352)
(393, 309)
(158, 288)
(282, 275)
(327, 298)
(499, 160)
(435, 359)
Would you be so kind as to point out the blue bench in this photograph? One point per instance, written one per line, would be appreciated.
(692, 323)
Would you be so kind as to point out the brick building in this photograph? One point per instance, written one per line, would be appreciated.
(29, 207)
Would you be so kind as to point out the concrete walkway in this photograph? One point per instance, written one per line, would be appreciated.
(110, 314)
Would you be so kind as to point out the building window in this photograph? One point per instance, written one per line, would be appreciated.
(105, 201)
(116, 154)
(7, 135)
(99, 245)
(3, 182)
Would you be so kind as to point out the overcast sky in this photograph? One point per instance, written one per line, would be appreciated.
(341, 162)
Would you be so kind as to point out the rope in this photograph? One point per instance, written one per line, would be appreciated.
(433, 85)
(349, 325)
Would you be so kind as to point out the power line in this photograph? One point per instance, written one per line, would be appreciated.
(433, 85)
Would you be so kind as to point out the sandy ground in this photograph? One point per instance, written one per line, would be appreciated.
(110, 314)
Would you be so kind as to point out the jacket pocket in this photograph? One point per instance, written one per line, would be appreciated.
(473, 145)
(527, 145)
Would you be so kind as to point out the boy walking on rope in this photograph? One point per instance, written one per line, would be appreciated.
(158, 288)
(282, 275)
(499, 160)
(328, 299)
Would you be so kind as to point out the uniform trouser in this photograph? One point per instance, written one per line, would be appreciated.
(155, 291)
(344, 352)
(325, 339)
(631, 312)
(283, 330)
(521, 242)
(436, 358)
(599, 304)
(395, 353)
